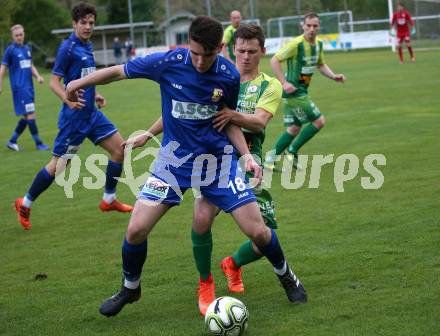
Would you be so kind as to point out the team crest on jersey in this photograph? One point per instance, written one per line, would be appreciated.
(252, 89)
(217, 94)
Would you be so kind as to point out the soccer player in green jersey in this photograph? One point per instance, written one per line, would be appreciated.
(259, 98)
(303, 55)
(228, 36)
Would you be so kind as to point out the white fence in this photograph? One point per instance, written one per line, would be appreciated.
(367, 34)
(349, 35)
(342, 41)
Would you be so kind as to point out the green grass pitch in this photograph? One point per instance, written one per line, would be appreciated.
(369, 259)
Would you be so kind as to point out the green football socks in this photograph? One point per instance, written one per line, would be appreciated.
(306, 134)
(245, 254)
(202, 250)
(283, 142)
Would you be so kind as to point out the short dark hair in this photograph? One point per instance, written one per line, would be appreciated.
(206, 31)
(81, 10)
(249, 32)
(311, 15)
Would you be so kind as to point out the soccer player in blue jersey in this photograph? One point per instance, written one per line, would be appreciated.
(18, 59)
(195, 83)
(259, 98)
(78, 120)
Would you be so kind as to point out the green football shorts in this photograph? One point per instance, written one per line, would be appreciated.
(267, 208)
(299, 111)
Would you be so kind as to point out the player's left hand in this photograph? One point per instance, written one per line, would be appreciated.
(413, 31)
(100, 101)
(222, 118)
(339, 78)
(74, 98)
(252, 166)
(40, 79)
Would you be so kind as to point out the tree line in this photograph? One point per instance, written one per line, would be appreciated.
(40, 17)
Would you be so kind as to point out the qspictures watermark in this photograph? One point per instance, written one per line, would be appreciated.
(346, 167)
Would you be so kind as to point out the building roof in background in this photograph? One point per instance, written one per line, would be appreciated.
(178, 16)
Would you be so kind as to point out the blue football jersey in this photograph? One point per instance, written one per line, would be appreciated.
(75, 60)
(18, 59)
(190, 100)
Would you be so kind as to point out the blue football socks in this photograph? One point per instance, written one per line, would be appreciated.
(34, 131)
(21, 125)
(114, 169)
(273, 251)
(133, 258)
(41, 182)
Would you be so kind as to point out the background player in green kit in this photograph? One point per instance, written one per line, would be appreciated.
(303, 55)
(228, 36)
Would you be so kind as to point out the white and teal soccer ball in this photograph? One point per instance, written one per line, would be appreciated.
(226, 316)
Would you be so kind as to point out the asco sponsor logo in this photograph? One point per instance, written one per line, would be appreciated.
(192, 111)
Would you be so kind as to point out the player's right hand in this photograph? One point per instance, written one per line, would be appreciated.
(252, 166)
(222, 118)
(339, 78)
(137, 141)
(288, 87)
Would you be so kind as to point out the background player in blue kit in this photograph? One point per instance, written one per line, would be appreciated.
(195, 83)
(78, 120)
(18, 59)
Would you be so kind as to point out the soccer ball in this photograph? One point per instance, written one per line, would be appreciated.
(226, 316)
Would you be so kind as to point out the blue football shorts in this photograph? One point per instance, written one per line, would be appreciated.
(72, 133)
(168, 188)
(23, 101)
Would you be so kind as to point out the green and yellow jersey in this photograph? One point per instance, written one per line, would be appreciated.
(302, 59)
(228, 40)
(263, 92)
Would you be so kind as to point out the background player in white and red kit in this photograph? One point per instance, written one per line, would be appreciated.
(405, 27)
